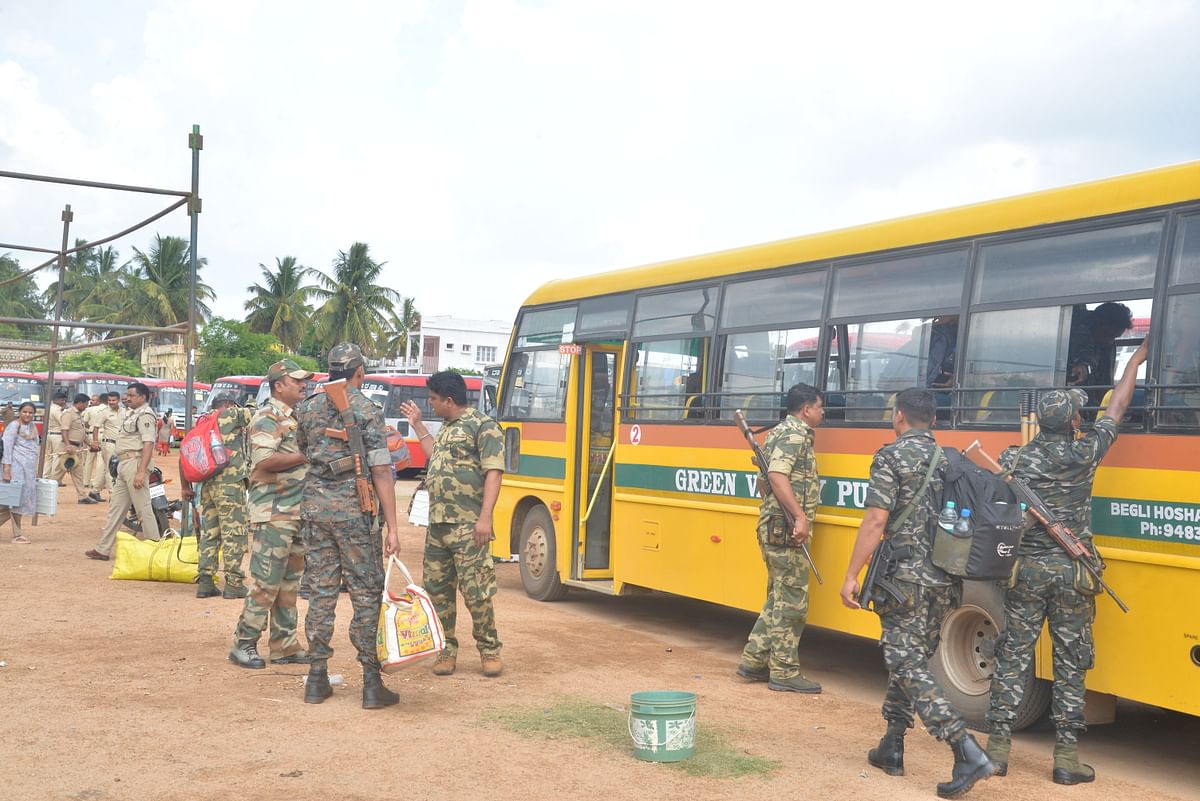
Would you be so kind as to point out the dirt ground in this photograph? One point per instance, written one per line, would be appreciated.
(122, 690)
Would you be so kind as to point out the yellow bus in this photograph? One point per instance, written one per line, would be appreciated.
(626, 470)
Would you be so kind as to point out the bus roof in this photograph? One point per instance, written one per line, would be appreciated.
(249, 380)
(416, 379)
(68, 375)
(173, 382)
(1158, 187)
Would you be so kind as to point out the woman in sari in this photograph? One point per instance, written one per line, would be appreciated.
(21, 445)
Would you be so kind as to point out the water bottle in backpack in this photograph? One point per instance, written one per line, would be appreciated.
(952, 540)
(220, 455)
(948, 518)
(962, 528)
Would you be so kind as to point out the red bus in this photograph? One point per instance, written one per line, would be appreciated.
(310, 386)
(389, 391)
(167, 393)
(88, 383)
(243, 387)
(17, 387)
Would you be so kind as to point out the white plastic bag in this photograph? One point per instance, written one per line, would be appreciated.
(409, 628)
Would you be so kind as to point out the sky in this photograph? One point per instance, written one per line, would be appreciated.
(484, 147)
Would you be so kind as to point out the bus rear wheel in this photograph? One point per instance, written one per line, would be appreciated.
(539, 570)
(966, 659)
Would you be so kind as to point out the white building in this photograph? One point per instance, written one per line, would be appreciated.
(448, 341)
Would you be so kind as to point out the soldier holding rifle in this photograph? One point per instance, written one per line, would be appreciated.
(906, 481)
(341, 433)
(785, 522)
(1051, 585)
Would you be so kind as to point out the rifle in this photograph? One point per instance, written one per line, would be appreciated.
(877, 585)
(352, 435)
(760, 461)
(1062, 535)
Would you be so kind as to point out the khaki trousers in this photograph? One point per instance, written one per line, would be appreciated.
(54, 446)
(78, 471)
(102, 479)
(124, 494)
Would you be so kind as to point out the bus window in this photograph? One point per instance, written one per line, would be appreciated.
(778, 299)
(666, 375)
(1114, 259)
(1185, 267)
(537, 386)
(1180, 373)
(908, 284)
(1007, 351)
(759, 366)
(690, 311)
(871, 362)
(604, 315)
(546, 327)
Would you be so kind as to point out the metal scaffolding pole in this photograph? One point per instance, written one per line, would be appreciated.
(196, 143)
(52, 357)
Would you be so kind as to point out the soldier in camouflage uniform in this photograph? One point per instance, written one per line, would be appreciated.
(466, 464)
(277, 470)
(1059, 469)
(912, 630)
(342, 543)
(771, 653)
(223, 512)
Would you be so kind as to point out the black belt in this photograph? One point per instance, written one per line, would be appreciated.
(113, 441)
(54, 434)
(75, 444)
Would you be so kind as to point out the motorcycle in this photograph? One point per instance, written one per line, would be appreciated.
(164, 509)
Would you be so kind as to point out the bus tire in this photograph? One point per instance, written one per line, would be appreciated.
(539, 568)
(965, 660)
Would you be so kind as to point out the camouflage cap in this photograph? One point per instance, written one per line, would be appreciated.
(222, 399)
(345, 356)
(1058, 407)
(288, 368)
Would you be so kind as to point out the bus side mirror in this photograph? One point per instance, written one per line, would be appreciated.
(512, 450)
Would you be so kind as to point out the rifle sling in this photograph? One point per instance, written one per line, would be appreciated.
(911, 506)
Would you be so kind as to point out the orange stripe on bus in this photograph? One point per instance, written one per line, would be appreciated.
(549, 432)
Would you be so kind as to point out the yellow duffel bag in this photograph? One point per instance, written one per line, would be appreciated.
(169, 559)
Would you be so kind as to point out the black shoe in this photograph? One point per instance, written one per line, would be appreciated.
(317, 688)
(298, 658)
(205, 588)
(245, 654)
(87, 499)
(231, 592)
(888, 756)
(971, 764)
(375, 695)
(753, 674)
(95, 496)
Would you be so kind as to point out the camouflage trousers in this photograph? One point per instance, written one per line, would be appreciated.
(350, 551)
(276, 563)
(223, 521)
(1045, 591)
(453, 561)
(911, 633)
(775, 639)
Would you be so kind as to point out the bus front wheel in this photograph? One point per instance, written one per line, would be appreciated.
(539, 568)
(966, 658)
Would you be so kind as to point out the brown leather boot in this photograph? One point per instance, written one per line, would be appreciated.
(445, 663)
(492, 666)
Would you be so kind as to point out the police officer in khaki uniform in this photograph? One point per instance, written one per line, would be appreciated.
(74, 448)
(110, 427)
(135, 448)
(93, 420)
(54, 433)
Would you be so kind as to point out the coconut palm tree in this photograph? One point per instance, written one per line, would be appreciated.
(354, 307)
(158, 285)
(279, 305)
(19, 299)
(399, 341)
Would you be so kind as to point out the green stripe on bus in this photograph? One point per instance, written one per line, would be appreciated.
(542, 466)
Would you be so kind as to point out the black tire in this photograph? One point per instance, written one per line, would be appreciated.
(539, 571)
(965, 660)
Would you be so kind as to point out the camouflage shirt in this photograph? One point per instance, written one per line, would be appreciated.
(232, 424)
(464, 451)
(896, 474)
(330, 497)
(789, 450)
(272, 431)
(1060, 470)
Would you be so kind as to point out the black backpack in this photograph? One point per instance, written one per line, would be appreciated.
(989, 552)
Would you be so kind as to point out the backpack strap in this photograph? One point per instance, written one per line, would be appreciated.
(911, 506)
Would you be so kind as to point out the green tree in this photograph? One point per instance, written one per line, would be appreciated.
(398, 341)
(158, 284)
(355, 306)
(76, 283)
(19, 299)
(279, 305)
(231, 348)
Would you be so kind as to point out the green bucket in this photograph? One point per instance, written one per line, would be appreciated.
(663, 725)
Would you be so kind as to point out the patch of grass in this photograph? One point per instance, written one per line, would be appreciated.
(576, 718)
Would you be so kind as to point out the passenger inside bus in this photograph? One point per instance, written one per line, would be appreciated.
(943, 344)
(1091, 350)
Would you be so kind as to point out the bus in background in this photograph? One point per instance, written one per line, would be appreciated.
(625, 469)
(489, 389)
(389, 391)
(310, 386)
(243, 387)
(17, 387)
(88, 383)
(168, 393)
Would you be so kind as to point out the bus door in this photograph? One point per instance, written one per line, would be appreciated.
(597, 416)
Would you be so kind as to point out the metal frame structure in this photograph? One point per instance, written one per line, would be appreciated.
(189, 198)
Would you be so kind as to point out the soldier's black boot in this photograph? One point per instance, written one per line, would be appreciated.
(970, 765)
(375, 695)
(317, 688)
(888, 756)
(206, 588)
(1067, 767)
